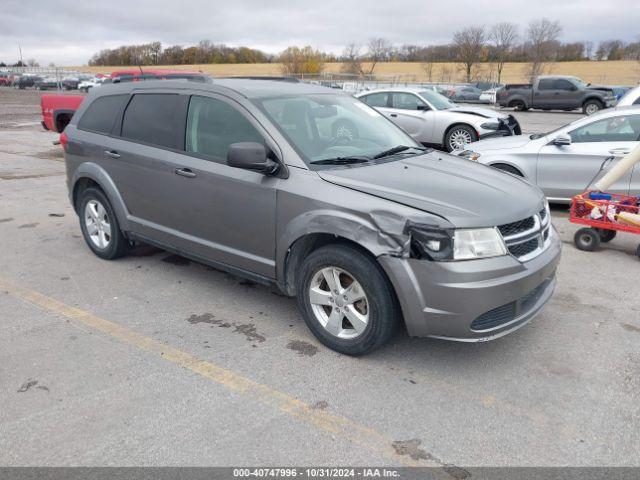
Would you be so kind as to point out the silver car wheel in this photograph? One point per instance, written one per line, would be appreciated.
(459, 138)
(592, 108)
(97, 222)
(339, 302)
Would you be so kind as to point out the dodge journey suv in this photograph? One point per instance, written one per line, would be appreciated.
(366, 230)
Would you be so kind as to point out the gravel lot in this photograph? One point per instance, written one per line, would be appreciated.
(156, 360)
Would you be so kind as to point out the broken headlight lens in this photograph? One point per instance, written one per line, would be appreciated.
(448, 244)
(469, 155)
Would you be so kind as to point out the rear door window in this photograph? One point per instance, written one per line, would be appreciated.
(155, 119)
(376, 99)
(101, 114)
(546, 84)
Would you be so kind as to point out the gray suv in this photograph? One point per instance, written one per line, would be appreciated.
(366, 230)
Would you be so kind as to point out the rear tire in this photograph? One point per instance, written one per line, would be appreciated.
(638, 251)
(587, 239)
(519, 106)
(592, 106)
(329, 314)
(99, 225)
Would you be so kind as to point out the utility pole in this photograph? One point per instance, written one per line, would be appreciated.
(20, 50)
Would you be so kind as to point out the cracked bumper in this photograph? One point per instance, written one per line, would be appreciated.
(442, 299)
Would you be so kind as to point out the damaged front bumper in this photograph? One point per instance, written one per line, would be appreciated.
(475, 300)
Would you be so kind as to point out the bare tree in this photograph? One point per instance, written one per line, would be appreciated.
(352, 60)
(469, 43)
(542, 41)
(503, 37)
(378, 50)
(427, 67)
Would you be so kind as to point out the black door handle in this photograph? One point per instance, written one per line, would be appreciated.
(112, 153)
(394, 115)
(185, 172)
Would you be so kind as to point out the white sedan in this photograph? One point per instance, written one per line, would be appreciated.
(434, 120)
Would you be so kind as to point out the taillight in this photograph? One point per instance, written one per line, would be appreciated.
(64, 140)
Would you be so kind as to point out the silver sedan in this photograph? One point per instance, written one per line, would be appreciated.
(566, 161)
(434, 120)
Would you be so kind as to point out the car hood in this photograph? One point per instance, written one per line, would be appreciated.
(478, 111)
(500, 143)
(465, 193)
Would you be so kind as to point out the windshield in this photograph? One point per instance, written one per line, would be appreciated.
(335, 127)
(551, 132)
(438, 101)
(579, 82)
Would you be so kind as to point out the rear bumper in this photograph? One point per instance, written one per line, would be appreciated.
(443, 299)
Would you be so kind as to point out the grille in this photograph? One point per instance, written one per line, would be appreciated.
(514, 228)
(509, 311)
(495, 317)
(524, 248)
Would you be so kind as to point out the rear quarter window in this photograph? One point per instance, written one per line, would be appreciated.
(100, 116)
(155, 119)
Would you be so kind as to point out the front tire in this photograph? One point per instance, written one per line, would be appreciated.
(99, 225)
(592, 106)
(587, 239)
(458, 137)
(346, 300)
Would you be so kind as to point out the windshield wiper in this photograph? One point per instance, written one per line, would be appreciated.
(340, 161)
(398, 149)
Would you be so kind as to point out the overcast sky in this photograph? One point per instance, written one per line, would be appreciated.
(68, 32)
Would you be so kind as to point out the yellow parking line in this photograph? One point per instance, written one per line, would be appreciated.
(324, 420)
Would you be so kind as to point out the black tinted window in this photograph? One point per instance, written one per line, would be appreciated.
(154, 118)
(563, 85)
(213, 125)
(376, 99)
(101, 114)
(546, 84)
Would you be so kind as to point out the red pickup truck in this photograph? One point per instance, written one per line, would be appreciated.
(57, 110)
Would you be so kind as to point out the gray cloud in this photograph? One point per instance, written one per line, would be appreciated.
(68, 32)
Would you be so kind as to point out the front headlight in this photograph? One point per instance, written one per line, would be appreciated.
(490, 125)
(478, 243)
(469, 155)
(449, 244)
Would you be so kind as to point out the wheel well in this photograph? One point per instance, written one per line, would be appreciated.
(62, 120)
(516, 101)
(302, 247)
(508, 168)
(80, 186)
(591, 99)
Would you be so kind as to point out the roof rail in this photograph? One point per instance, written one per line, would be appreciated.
(279, 79)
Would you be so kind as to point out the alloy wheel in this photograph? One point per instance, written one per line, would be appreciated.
(339, 302)
(459, 139)
(97, 223)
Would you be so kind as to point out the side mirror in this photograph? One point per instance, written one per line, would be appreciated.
(423, 107)
(251, 156)
(562, 140)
